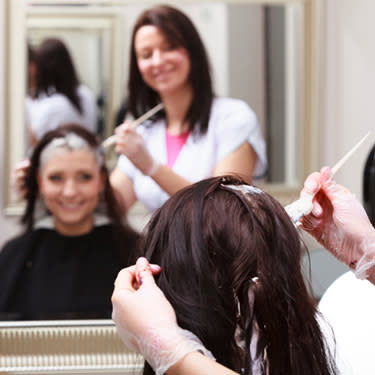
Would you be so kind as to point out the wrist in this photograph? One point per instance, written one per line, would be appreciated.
(165, 346)
(151, 170)
(365, 266)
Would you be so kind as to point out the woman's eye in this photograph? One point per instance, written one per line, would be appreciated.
(169, 47)
(55, 178)
(85, 177)
(144, 55)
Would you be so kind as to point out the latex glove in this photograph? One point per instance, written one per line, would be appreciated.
(146, 321)
(17, 178)
(339, 222)
(131, 144)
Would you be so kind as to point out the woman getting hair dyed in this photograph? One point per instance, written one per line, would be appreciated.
(231, 268)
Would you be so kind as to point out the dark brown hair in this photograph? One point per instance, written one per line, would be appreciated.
(215, 246)
(55, 71)
(180, 32)
(124, 235)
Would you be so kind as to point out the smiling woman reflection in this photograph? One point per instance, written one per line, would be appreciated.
(197, 135)
(65, 264)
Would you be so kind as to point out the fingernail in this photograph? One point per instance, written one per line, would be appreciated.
(142, 262)
(142, 267)
(311, 185)
(317, 211)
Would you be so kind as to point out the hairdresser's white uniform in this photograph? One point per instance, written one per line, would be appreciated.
(47, 113)
(232, 123)
(349, 307)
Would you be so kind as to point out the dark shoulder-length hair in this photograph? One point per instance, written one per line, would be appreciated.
(124, 235)
(230, 259)
(180, 32)
(55, 71)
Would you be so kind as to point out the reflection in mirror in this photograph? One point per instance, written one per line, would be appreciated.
(255, 51)
(89, 49)
(76, 240)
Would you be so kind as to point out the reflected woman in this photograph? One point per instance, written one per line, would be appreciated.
(75, 243)
(197, 135)
(59, 98)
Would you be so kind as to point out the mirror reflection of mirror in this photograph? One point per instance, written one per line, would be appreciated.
(89, 49)
(255, 53)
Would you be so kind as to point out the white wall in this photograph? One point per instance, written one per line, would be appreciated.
(348, 83)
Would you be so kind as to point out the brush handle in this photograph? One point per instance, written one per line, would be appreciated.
(343, 160)
(112, 139)
(303, 206)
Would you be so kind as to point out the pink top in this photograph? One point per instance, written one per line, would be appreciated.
(174, 143)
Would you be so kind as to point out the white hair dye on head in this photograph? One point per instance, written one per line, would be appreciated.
(70, 142)
(244, 189)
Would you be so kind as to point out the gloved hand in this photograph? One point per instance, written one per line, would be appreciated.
(131, 144)
(339, 222)
(146, 321)
(17, 178)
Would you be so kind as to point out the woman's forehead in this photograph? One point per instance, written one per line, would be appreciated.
(66, 159)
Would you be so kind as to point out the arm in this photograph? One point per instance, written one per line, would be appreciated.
(339, 222)
(240, 162)
(123, 188)
(196, 363)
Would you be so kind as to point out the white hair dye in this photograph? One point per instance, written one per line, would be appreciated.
(70, 142)
(244, 189)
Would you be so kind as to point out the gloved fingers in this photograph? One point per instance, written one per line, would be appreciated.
(123, 127)
(18, 175)
(310, 223)
(311, 185)
(125, 279)
(317, 210)
(128, 140)
(24, 164)
(144, 272)
(329, 185)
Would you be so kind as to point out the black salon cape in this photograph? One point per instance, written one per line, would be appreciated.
(45, 275)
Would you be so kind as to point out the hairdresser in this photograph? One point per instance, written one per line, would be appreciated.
(196, 135)
(340, 224)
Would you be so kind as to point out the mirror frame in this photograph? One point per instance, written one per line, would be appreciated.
(72, 347)
(16, 12)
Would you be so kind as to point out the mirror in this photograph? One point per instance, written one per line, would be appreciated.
(260, 51)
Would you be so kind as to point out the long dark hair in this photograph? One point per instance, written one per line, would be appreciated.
(180, 32)
(218, 246)
(55, 71)
(123, 234)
